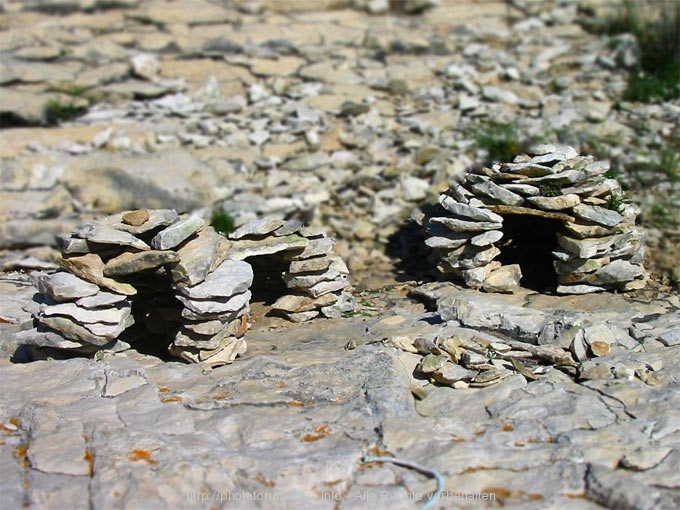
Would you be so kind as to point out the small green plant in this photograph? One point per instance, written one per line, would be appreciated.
(669, 157)
(615, 203)
(56, 110)
(222, 221)
(657, 76)
(550, 189)
(500, 140)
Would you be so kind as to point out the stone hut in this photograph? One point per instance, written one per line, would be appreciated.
(552, 220)
(155, 276)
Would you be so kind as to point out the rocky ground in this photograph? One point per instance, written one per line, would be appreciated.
(349, 121)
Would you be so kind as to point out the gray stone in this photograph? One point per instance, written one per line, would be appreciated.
(310, 265)
(100, 299)
(231, 277)
(90, 267)
(112, 315)
(63, 286)
(555, 203)
(257, 228)
(487, 238)
(468, 212)
(497, 193)
(250, 248)
(157, 218)
(598, 215)
(104, 234)
(176, 233)
(132, 263)
(466, 226)
(213, 306)
(315, 248)
(618, 271)
(503, 279)
(196, 257)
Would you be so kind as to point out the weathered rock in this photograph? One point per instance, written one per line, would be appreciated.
(90, 267)
(63, 286)
(230, 278)
(127, 263)
(176, 233)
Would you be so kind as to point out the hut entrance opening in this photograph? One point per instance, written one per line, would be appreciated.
(268, 284)
(529, 241)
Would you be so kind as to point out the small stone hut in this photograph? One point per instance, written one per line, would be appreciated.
(552, 220)
(153, 274)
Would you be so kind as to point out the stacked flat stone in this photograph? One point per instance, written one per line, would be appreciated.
(179, 279)
(315, 276)
(598, 248)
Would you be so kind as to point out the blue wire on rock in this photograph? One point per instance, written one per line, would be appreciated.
(422, 469)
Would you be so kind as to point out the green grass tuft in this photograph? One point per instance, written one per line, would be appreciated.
(222, 221)
(500, 140)
(615, 203)
(56, 111)
(657, 77)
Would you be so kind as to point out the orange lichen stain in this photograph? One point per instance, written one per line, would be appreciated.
(296, 403)
(508, 428)
(165, 400)
(581, 495)
(14, 421)
(21, 454)
(89, 458)
(457, 439)
(519, 443)
(163, 389)
(267, 483)
(377, 452)
(503, 494)
(280, 384)
(138, 454)
(331, 483)
(320, 432)
(224, 396)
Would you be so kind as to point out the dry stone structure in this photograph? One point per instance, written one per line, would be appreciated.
(155, 274)
(556, 203)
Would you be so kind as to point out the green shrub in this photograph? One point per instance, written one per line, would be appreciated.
(56, 110)
(615, 203)
(500, 140)
(657, 77)
(222, 221)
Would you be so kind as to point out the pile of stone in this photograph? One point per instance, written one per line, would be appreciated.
(152, 274)
(598, 245)
(315, 276)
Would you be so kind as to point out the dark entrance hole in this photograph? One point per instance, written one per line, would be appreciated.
(268, 284)
(529, 241)
(157, 315)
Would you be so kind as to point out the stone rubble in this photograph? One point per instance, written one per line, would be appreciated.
(598, 248)
(180, 279)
